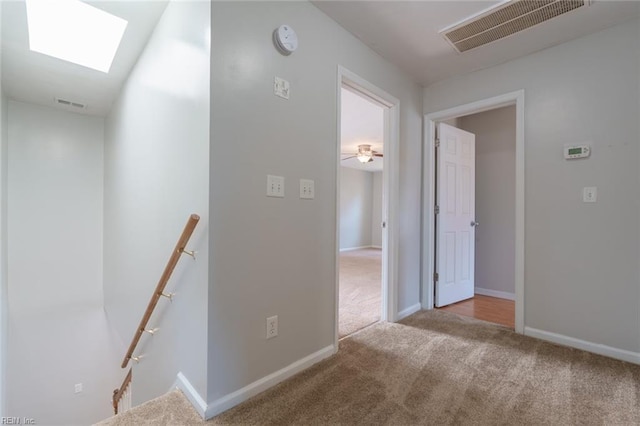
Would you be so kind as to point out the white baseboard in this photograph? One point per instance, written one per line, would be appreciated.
(410, 310)
(354, 248)
(190, 392)
(376, 247)
(241, 395)
(596, 348)
(495, 293)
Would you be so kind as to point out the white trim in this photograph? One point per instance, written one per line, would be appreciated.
(428, 267)
(409, 311)
(241, 395)
(360, 248)
(390, 195)
(584, 345)
(355, 248)
(191, 393)
(495, 293)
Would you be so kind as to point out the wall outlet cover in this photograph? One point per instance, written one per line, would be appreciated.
(281, 87)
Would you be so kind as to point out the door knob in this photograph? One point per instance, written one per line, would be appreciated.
(474, 223)
(384, 225)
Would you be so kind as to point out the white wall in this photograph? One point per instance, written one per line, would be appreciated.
(57, 328)
(4, 304)
(356, 200)
(273, 256)
(4, 307)
(376, 210)
(495, 132)
(581, 260)
(55, 208)
(156, 175)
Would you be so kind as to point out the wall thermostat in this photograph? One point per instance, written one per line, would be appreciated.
(285, 39)
(576, 151)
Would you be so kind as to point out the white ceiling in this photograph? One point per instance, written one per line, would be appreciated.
(36, 78)
(406, 32)
(361, 122)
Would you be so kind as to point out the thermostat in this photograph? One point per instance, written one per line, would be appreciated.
(576, 151)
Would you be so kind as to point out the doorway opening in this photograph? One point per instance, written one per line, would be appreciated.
(474, 210)
(361, 178)
(367, 145)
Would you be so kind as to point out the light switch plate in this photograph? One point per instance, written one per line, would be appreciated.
(275, 186)
(307, 190)
(589, 194)
(281, 87)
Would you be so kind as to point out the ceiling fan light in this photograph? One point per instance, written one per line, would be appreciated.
(364, 157)
(364, 153)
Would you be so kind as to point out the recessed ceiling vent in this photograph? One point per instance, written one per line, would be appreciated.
(504, 20)
(64, 102)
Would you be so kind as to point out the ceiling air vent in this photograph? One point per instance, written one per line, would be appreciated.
(504, 20)
(67, 103)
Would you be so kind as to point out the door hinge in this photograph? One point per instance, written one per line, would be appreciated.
(436, 209)
(437, 142)
(435, 276)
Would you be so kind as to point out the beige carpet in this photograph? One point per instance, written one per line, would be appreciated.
(434, 368)
(360, 289)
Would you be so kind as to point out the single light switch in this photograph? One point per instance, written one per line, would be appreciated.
(589, 194)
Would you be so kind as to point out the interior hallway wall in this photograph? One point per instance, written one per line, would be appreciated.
(4, 307)
(581, 259)
(272, 256)
(58, 334)
(356, 201)
(495, 132)
(156, 176)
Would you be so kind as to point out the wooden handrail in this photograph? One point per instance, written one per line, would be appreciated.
(117, 393)
(158, 292)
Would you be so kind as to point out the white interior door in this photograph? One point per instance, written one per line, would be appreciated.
(455, 215)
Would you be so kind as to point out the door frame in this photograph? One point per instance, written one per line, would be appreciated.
(428, 238)
(390, 185)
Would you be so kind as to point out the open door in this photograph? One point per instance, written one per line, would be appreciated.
(455, 215)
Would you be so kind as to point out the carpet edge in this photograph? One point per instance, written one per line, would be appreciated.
(596, 348)
(234, 398)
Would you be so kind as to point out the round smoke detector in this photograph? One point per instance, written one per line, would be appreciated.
(285, 39)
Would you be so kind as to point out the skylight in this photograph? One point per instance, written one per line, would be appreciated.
(74, 31)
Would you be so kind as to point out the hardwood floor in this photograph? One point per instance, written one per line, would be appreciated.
(492, 309)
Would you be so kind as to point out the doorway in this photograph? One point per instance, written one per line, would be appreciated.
(489, 291)
(361, 178)
(430, 265)
(384, 154)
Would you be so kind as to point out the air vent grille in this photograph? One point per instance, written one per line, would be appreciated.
(67, 103)
(507, 19)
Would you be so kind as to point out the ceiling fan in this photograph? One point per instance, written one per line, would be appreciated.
(365, 154)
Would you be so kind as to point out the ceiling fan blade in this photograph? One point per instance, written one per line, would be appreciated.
(378, 155)
(346, 158)
(370, 160)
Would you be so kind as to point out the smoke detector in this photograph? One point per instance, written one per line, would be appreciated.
(506, 19)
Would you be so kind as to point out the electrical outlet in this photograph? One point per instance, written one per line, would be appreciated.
(78, 387)
(272, 327)
(281, 87)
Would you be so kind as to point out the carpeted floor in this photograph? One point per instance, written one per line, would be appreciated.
(360, 289)
(434, 368)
